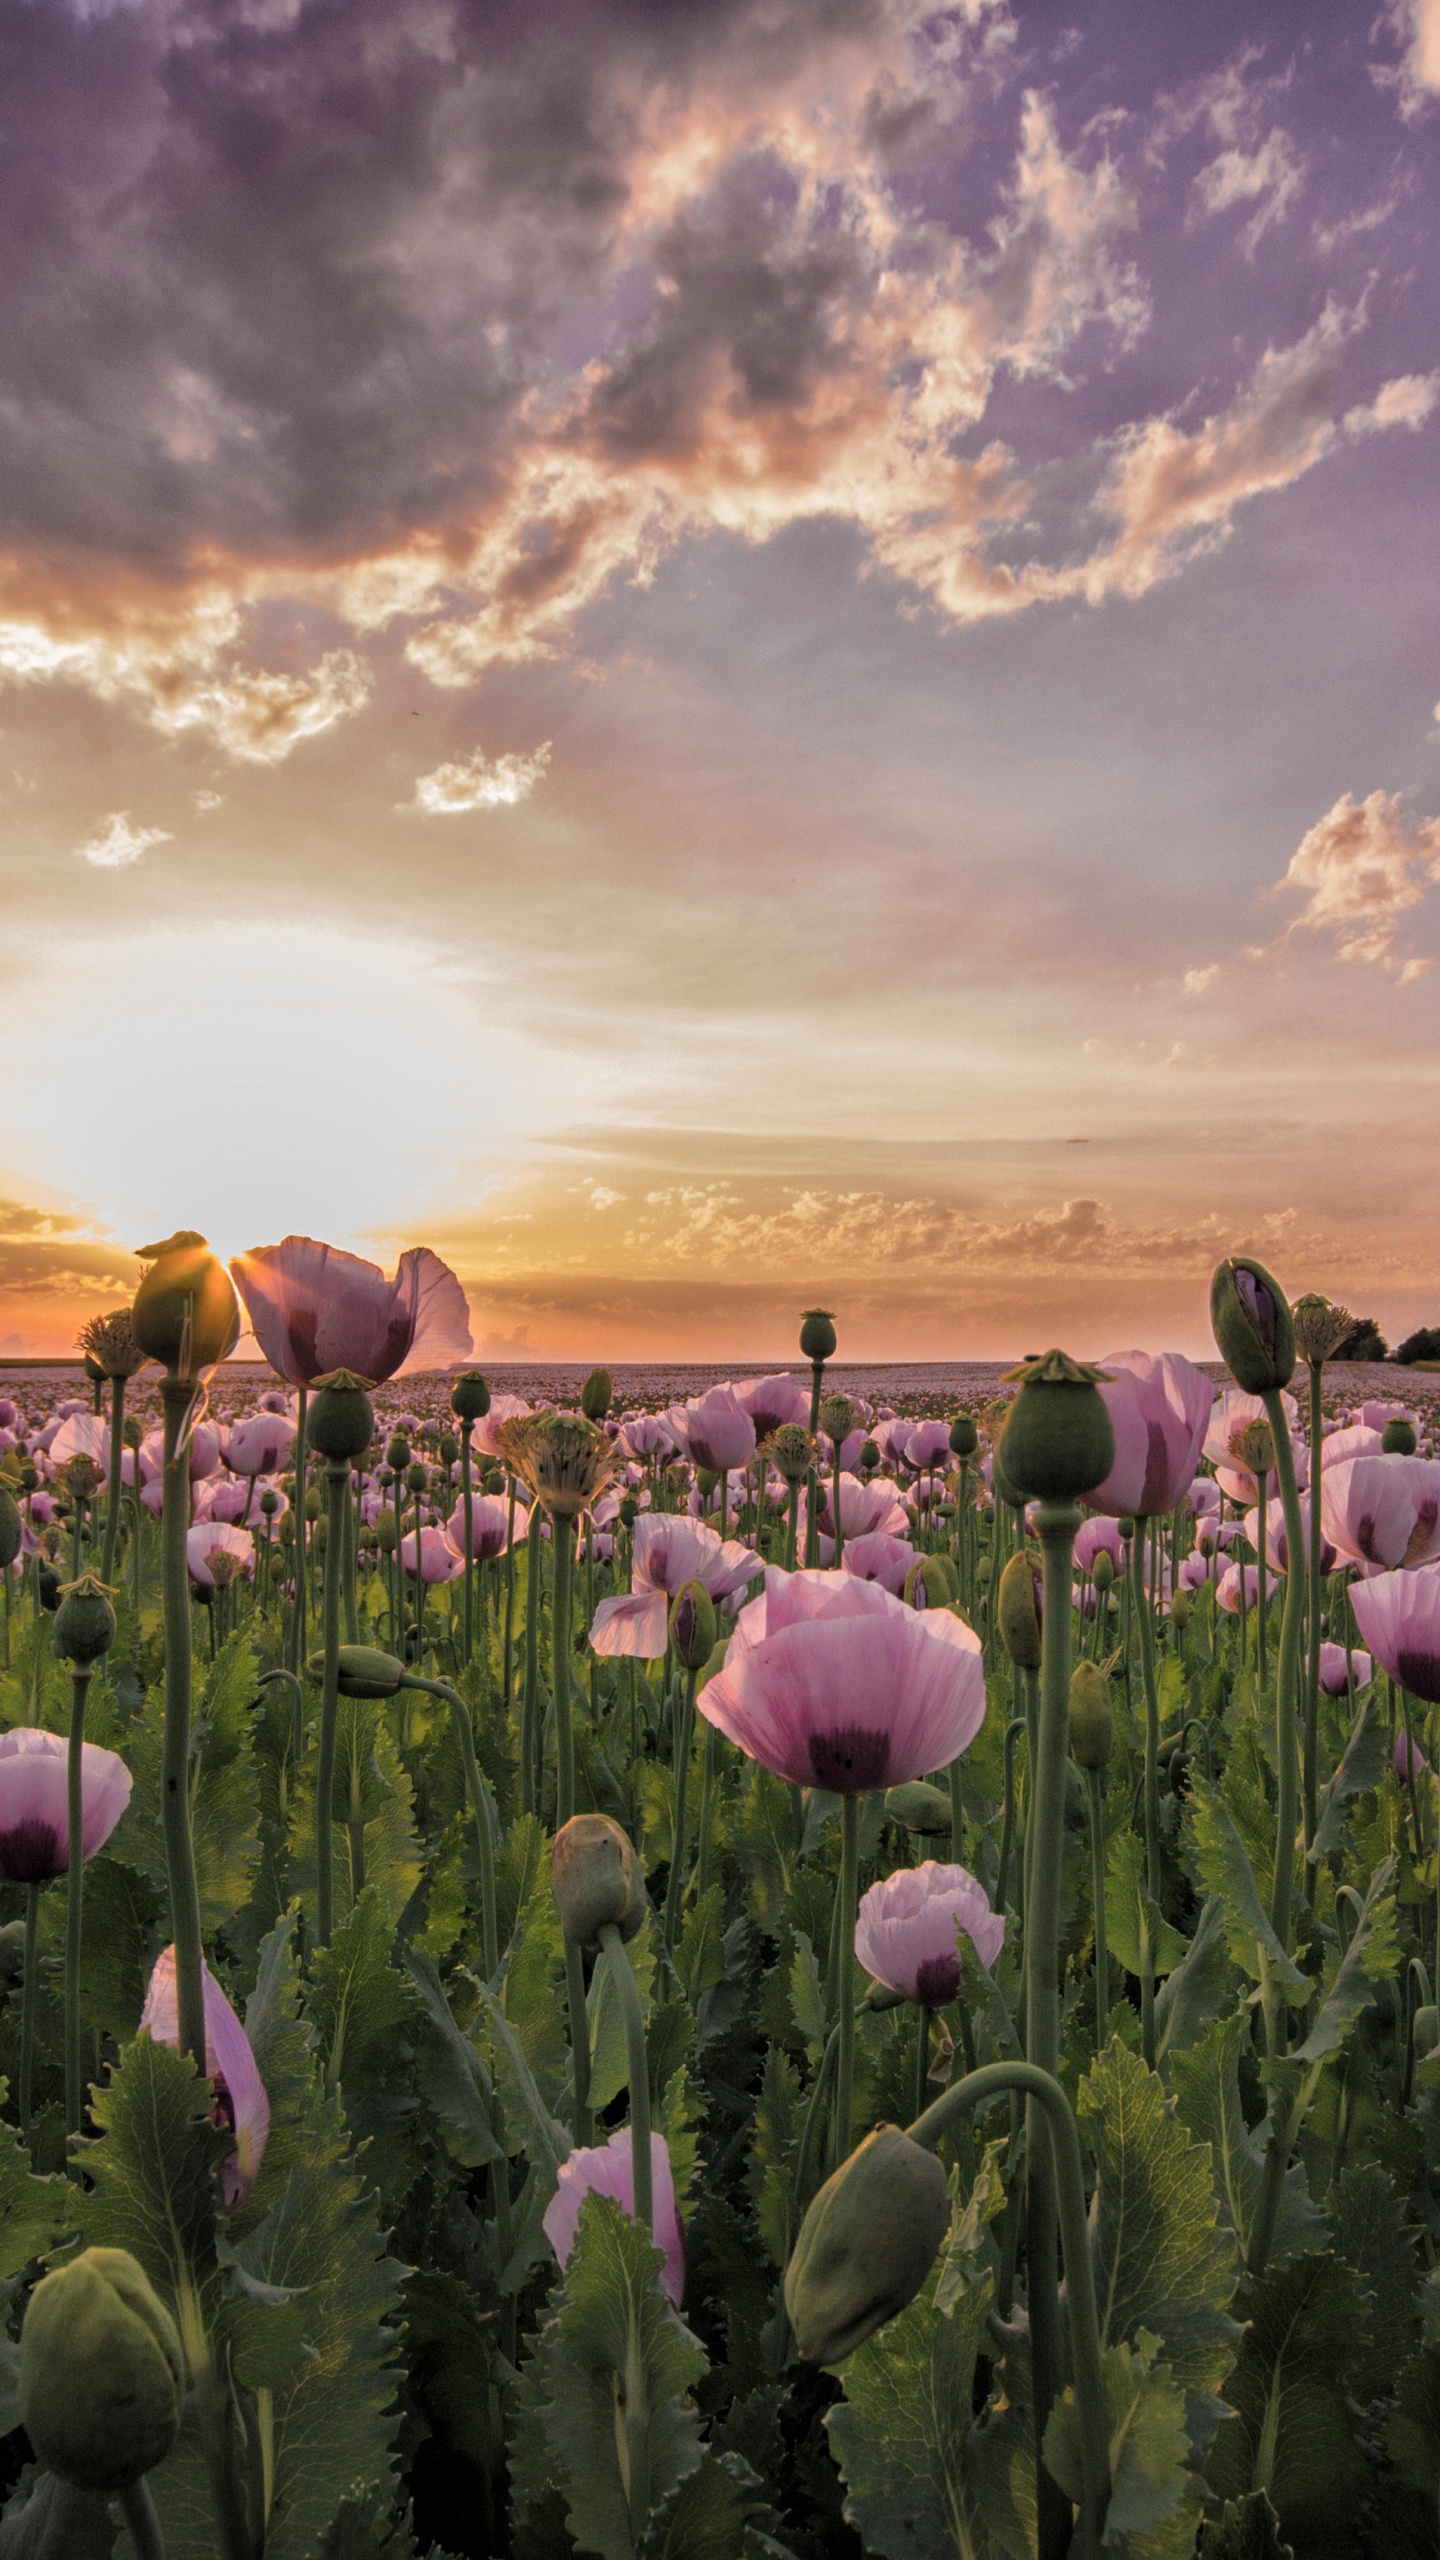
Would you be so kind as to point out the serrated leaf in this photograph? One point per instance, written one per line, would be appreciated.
(224, 1788)
(609, 2046)
(355, 1998)
(1140, 1938)
(1291, 2434)
(619, 2367)
(546, 2141)
(1246, 2529)
(1207, 2100)
(1225, 1867)
(706, 2515)
(450, 2353)
(1195, 1992)
(807, 1996)
(118, 1926)
(452, 2075)
(372, 1837)
(36, 2214)
(1362, 1766)
(1413, 2435)
(1373, 2238)
(153, 2177)
(700, 1955)
(681, 2113)
(772, 2153)
(1372, 1952)
(1147, 2444)
(522, 1864)
(1161, 2264)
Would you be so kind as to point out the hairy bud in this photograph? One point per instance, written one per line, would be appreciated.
(866, 2245)
(101, 2372)
(597, 1879)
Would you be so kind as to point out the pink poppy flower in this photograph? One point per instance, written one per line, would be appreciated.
(313, 1308)
(835, 1683)
(260, 1445)
(211, 1538)
(609, 2171)
(1099, 1536)
(879, 1557)
(1383, 1512)
(1375, 1413)
(1159, 1406)
(1407, 1759)
(34, 1803)
(670, 1550)
(714, 1430)
(905, 1930)
(1227, 1589)
(1203, 1498)
(439, 1561)
(489, 1515)
(1398, 1614)
(863, 1507)
(927, 1446)
(1334, 1669)
(486, 1440)
(771, 1402)
(241, 2103)
(1357, 1440)
(644, 1435)
(1277, 1552)
(1231, 1413)
(82, 1435)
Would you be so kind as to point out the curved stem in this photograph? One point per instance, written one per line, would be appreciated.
(75, 1814)
(176, 1397)
(613, 1952)
(337, 1487)
(482, 1807)
(27, 2006)
(1047, 2100)
(141, 2521)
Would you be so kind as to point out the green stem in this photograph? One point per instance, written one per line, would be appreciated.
(1287, 1685)
(297, 1611)
(638, 2065)
(579, 2042)
(27, 2005)
(845, 1973)
(707, 1802)
(337, 1488)
(80, 1676)
(530, 1681)
(1013, 1731)
(114, 1489)
(1143, 1616)
(482, 1808)
(1312, 1667)
(1047, 2101)
(922, 2058)
(684, 1740)
(176, 1397)
(468, 1501)
(562, 1533)
(1097, 1887)
(141, 2522)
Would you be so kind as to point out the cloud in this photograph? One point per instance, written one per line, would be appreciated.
(1270, 177)
(1417, 22)
(177, 669)
(477, 783)
(1197, 982)
(1361, 868)
(118, 841)
(50, 1254)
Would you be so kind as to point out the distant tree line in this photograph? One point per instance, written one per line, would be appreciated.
(1365, 1341)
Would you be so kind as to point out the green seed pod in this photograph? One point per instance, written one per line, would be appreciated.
(12, 1529)
(495, 1481)
(84, 1628)
(596, 1395)
(918, 1806)
(417, 1477)
(186, 1314)
(692, 1626)
(1252, 1324)
(1397, 1440)
(397, 1452)
(470, 1396)
(791, 1452)
(365, 1672)
(817, 1334)
(596, 1878)
(866, 2245)
(838, 1418)
(1092, 1725)
(964, 1438)
(1102, 1571)
(101, 2373)
(1181, 1608)
(49, 1586)
(1057, 1442)
(1002, 1487)
(1018, 1609)
(930, 1583)
(449, 1448)
(269, 1503)
(341, 1422)
(869, 1455)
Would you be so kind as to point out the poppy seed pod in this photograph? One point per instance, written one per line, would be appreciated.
(869, 1455)
(817, 1334)
(470, 1396)
(866, 2245)
(449, 1449)
(838, 1417)
(1102, 1571)
(1180, 1609)
(186, 1314)
(101, 2373)
(386, 1533)
(1397, 1440)
(341, 1422)
(48, 1584)
(692, 1626)
(1320, 1328)
(597, 1879)
(964, 1438)
(365, 1672)
(1018, 1609)
(1058, 1441)
(1092, 1725)
(12, 1529)
(595, 1395)
(84, 1628)
(494, 1481)
(1252, 1324)
(791, 1452)
(417, 1477)
(917, 1806)
(397, 1452)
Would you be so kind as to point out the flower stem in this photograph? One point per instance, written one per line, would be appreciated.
(141, 2522)
(483, 1811)
(530, 1681)
(562, 1532)
(176, 1397)
(114, 1489)
(845, 1973)
(297, 1611)
(468, 1499)
(337, 1489)
(1143, 1615)
(638, 2065)
(27, 2005)
(684, 1741)
(1287, 1684)
(1097, 1872)
(1312, 1666)
(80, 1676)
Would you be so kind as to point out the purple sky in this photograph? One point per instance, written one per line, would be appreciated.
(717, 655)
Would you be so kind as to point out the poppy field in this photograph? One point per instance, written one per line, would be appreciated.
(753, 1976)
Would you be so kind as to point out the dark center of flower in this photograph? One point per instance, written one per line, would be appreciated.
(1419, 1672)
(850, 1759)
(937, 1980)
(30, 1853)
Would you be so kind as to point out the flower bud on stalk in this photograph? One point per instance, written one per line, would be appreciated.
(341, 1422)
(84, 1628)
(597, 1880)
(964, 1438)
(1057, 1442)
(817, 1335)
(470, 1396)
(1019, 1611)
(102, 2374)
(186, 1314)
(930, 1583)
(838, 1418)
(1320, 1328)
(918, 1806)
(1102, 1572)
(866, 2245)
(1092, 1724)
(1252, 1324)
(692, 1626)
(596, 1395)
(1397, 1440)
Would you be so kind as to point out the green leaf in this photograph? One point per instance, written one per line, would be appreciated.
(609, 2049)
(620, 2364)
(1207, 2100)
(546, 2141)
(1147, 2443)
(36, 2214)
(152, 2178)
(1363, 1766)
(700, 1955)
(1413, 2435)
(1246, 2529)
(807, 1996)
(681, 2113)
(1195, 1991)
(522, 1867)
(356, 1999)
(1143, 1942)
(1374, 2240)
(773, 2146)
(1225, 1868)
(372, 1839)
(1161, 2264)
(450, 2355)
(117, 1932)
(452, 2075)
(1372, 1952)
(1291, 2434)
(224, 1788)
(706, 2515)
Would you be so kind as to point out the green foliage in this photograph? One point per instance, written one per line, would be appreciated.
(1207, 2099)
(1224, 1864)
(224, 1788)
(1291, 2434)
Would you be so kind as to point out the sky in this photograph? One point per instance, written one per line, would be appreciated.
(723, 654)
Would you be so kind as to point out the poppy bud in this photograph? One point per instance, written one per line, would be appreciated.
(186, 1314)
(1427, 2032)
(791, 1452)
(269, 1503)
(918, 1806)
(30, 1475)
(817, 1334)
(597, 1879)
(838, 1417)
(1019, 1611)
(869, 1455)
(1102, 1571)
(1252, 1324)
(1397, 1440)
(397, 1452)
(1092, 1726)
(365, 1672)
(1057, 1442)
(49, 1587)
(470, 1396)
(84, 1628)
(385, 1531)
(1180, 1608)
(12, 1530)
(340, 1424)
(595, 1395)
(929, 1584)
(101, 2373)
(866, 2245)
(964, 1438)
(692, 1626)
(629, 1511)
(495, 1481)
(449, 1448)
(706, 1479)
(416, 1477)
